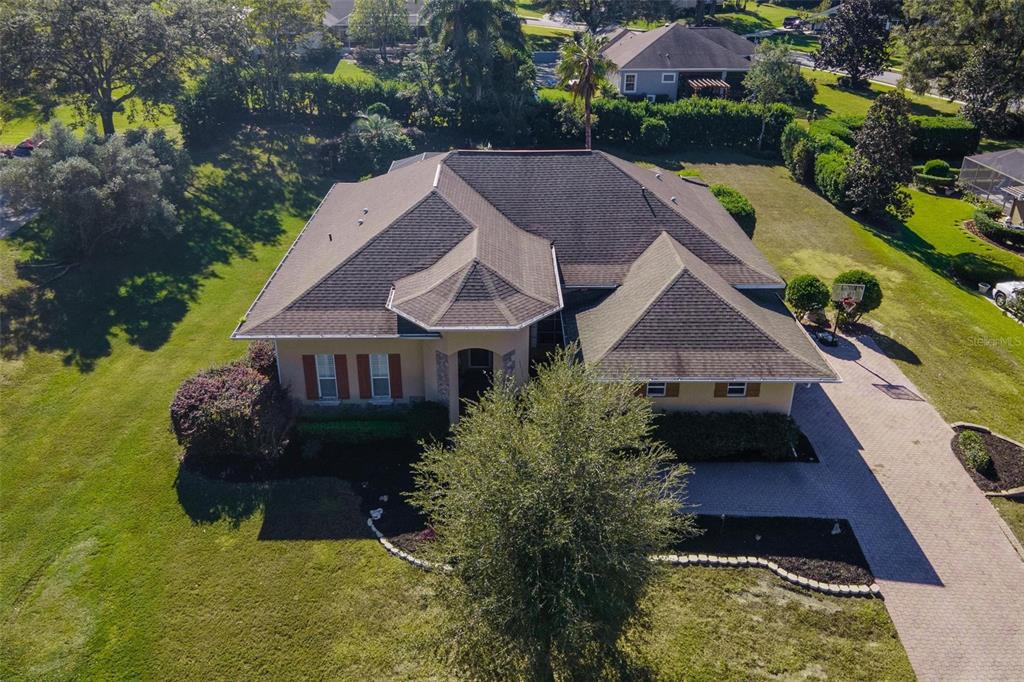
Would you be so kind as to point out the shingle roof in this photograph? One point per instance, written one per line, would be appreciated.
(674, 318)
(678, 47)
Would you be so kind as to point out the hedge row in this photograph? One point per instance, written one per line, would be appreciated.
(321, 95)
(696, 436)
(949, 137)
(692, 122)
(998, 232)
(350, 426)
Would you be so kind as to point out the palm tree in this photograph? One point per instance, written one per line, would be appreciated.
(582, 67)
(374, 130)
(470, 30)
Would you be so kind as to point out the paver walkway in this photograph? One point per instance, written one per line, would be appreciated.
(952, 579)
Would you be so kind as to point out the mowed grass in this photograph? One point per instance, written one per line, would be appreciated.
(21, 127)
(953, 343)
(754, 18)
(117, 565)
(831, 100)
(545, 39)
(1012, 512)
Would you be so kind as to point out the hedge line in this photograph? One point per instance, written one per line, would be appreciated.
(350, 426)
(696, 436)
(949, 137)
(998, 232)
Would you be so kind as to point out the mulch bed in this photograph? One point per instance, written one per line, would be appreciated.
(972, 227)
(1006, 469)
(803, 546)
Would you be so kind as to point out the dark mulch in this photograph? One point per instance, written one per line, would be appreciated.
(803, 546)
(1005, 471)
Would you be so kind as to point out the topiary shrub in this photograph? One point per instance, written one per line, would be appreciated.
(806, 293)
(872, 294)
(936, 168)
(830, 177)
(972, 447)
(654, 133)
(737, 205)
(230, 414)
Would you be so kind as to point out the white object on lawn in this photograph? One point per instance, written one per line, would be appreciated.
(375, 514)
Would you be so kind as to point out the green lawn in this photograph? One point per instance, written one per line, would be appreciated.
(834, 101)
(546, 39)
(350, 71)
(1012, 512)
(114, 565)
(18, 128)
(529, 8)
(754, 18)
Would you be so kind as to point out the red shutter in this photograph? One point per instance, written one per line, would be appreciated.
(309, 370)
(721, 390)
(395, 371)
(341, 374)
(363, 371)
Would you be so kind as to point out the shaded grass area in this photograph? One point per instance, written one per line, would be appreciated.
(831, 100)
(754, 18)
(798, 42)
(952, 342)
(545, 39)
(28, 118)
(529, 8)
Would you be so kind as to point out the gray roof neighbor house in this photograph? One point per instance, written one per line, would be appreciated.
(339, 11)
(646, 269)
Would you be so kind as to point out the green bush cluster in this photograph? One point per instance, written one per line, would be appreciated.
(830, 177)
(973, 449)
(948, 137)
(693, 122)
(989, 208)
(872, 294)
(806, 293)
(654, 133)
(801, 150)
(936, 168)
(354, 426)
(997, 231)
(699, 436)
(737, 205)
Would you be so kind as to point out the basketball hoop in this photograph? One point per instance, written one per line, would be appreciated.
(849, 304)
(846, 296)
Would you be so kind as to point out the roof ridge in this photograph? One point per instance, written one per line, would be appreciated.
(466, 271)
(495, 298)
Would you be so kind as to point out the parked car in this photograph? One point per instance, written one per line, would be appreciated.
(791, 22)
(1004, 291)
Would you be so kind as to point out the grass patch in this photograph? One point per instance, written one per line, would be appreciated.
(555, 94)
(529, 8)
(546, 39)
(754, 18)
(831, 100)
(798, 42)
(350, 71)
(20, 127)
(1012, 512)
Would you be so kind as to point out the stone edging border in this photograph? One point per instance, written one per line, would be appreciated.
(837, 590)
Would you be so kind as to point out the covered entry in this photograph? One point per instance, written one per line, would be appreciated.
(476, 371)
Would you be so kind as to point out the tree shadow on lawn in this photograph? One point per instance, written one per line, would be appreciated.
(145, 288)
(326, 497)
(916, 108)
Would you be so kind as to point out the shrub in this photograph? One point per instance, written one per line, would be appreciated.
(229, 413)
(792, 135)
(697, 436)
(841, 127)
(380, 109)
(801, 164)
(351, 426)
(997, 231)
(872, 293)
(737, 205)
(936, 168)
(654, 133)
(830, 177)
(806, 293)
(261, 357)
(989, 208)
(948, 137)
(209, 107)
(972, 447)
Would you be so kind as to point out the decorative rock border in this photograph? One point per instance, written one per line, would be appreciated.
(837, 590)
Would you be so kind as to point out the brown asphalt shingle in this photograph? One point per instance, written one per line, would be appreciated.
(681, 47)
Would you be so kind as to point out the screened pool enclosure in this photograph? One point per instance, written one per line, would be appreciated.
(997, 176)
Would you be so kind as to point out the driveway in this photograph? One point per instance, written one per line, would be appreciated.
(949, 568)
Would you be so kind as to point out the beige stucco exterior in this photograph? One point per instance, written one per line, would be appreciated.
(699, 397)
(430, 371)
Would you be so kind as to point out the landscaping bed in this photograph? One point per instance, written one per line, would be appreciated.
(803, 546)
(1005, 467)
(734, 437)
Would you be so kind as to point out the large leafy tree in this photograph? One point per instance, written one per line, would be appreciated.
(91, 190)
(881, 161)
(546, 505)
(773, 78)
(379, 22)
(972, 50)
(103, 54)
(856, 40)
(276, 32)
(583, 68)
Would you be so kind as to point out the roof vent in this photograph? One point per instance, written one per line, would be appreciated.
(359, 222)
(658, 175)
(330, 238)
(674, 200)
(365, 210)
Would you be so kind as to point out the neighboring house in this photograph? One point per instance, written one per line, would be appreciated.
(676, 60)
(420, 283)
(338, 13)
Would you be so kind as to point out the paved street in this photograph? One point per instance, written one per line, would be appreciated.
(951, 576)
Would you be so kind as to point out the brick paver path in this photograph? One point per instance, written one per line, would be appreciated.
(952, 580)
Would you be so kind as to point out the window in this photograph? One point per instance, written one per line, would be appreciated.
(326, 379)
(380, 377)
(629, 82)
(656, 389)
(668, 78)
(549, 330)
(736, 390)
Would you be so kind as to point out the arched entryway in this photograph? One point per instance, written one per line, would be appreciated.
(476, 370)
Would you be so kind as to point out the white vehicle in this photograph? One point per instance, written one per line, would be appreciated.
(1004, 291)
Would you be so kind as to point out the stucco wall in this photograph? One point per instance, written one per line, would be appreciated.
(701, 398)
(648, 83)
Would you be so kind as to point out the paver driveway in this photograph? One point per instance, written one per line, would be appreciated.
(952, 579)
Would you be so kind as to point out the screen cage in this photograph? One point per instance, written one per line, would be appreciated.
(991, 175)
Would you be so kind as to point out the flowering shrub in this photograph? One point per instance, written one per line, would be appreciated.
(233, 412)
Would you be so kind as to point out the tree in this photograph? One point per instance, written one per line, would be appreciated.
(384, 22)
(971, 50)
(104, 54)
(546, 504)
(872, 294)
(91, 191)
(380, 139)
(773, 78)
(881, 163)
(275, 31)
(583, 68)
(855, 40)
(806, 293)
